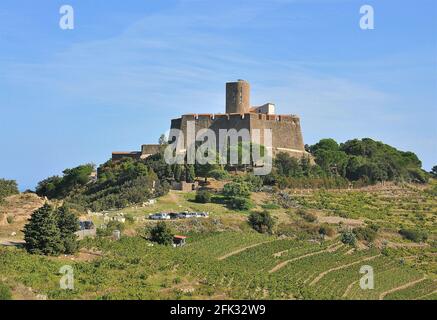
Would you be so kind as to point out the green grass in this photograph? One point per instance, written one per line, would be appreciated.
(132, 269)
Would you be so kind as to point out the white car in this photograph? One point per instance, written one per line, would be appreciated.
(159, 216)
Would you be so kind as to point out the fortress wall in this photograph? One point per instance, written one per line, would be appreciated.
(286, 130)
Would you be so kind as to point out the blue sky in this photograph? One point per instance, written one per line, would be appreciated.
(128, 67)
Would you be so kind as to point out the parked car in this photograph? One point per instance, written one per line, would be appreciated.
(159, 216)
(173, 215)
(202, 215)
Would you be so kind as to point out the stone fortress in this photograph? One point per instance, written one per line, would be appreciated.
(286, 129)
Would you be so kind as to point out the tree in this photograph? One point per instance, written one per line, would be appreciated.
(219, 174)
(204, 170)
(203, 196)
(239, 203)
(287, 166)
(190, 174)
(8, 188)
(177, 172)
(348, 237)
(161, 234)
(42, 234)
(68, 224)
(414, 235)
(236, 189)
(261, 221)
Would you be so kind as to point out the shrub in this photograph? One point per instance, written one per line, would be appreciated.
(236, 189)
(348, 237)
(414, 235)
(261, 221)
(365, 233)
(10, 219)
(307, 216)
(129, 218)
(5, 292)
(326, 230)
(219, 174)
(161, 234)
(240, 203)
(255, 183)
(203, 196)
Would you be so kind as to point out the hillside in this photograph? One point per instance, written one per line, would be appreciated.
(226, 259)
(14, 212)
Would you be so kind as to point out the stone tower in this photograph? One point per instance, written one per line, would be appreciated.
(238, 97)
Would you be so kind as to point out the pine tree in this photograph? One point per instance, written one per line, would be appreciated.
(190, 174)
(68, 224)
(42, 233)
(177, 172)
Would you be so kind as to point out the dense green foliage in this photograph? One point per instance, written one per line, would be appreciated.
(360, 162)
(203, 196)
(367, 160)
(261, 221)
(414, 235)
(132, 269)
(219, 174)
(51, 231)
(236, 189)
(240, 203)
(368, 233)
(161, 234)
(59, 187)
(348, 237)
(118, 184)
(5, 292)
(7, 188)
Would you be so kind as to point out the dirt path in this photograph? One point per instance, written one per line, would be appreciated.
(324, 273)
(284, 263)
(426, 295)
(241, 250)
(404, 286)
(349, 288)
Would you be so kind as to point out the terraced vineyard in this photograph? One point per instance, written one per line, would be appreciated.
(226, 265)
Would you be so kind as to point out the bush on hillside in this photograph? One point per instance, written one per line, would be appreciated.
(161, 234)
(219, 174)
(203, 196)
(365, 233)
(326, 230)
(261, 221)
(236, 189)
(348, 237)
(239, 203)
(414, 235)
(307, 216)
